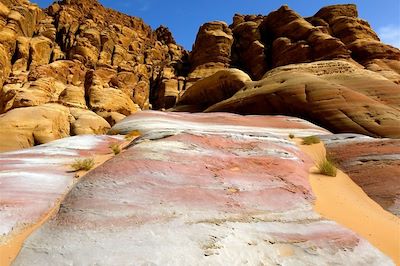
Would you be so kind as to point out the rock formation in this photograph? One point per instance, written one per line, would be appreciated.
(336, 94)
(80, 55)
(211, 50)
(330, 69)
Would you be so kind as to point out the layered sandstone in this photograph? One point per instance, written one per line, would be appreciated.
(168, 195)
(336, 94)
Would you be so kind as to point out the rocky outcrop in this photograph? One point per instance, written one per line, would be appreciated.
(356, 33)
(211, 50)
(87, 122)
(361, 40)
(294, 40)
(282, 37)
(81, 55)
(248, 49)
(336, 94)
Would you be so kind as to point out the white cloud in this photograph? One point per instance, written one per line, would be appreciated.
(390, 34)
(138, 5)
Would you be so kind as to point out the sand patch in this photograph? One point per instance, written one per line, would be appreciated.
(341, 200)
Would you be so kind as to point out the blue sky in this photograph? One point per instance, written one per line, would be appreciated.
(185, 17)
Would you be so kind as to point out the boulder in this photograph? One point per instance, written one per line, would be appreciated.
(73, 96)
(87, 122)
(104, 96)
(29, 126)
(215, 88)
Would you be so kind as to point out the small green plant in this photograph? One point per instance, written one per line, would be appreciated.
(291, 136)
(311, 140)
(326, 167)
(83, 164)
(115, 148)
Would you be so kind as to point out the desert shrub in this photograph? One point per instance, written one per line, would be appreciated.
(327, 167)
(83, 164)
(311, 140)
(115, 148)
(291, 136)
(132, 134)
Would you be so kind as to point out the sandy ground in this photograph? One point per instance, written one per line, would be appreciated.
(341, 200)
(10, 250)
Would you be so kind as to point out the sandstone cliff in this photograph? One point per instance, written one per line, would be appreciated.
(93, 64)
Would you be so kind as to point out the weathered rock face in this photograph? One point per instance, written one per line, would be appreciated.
(284, 37)
(295, 40)
(167, 195)
(80, 55)
(356, 33)
(373, 164)
(211, 50)
(336, 94)
(248, 50)
(361, 40)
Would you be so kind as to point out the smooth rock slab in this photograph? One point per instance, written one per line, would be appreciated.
(32, 180)
(216, 123)
(198, 198)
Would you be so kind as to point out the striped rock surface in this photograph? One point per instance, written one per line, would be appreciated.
(199, 190)
(34, 179)
(373, 164)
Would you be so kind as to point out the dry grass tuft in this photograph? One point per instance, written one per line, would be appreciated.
(83, 164)
(133, 134)
(327, 167)
(115, 148)
(311, 140)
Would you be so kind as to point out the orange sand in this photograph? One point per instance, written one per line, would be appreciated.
(10, 250)
(341, 200)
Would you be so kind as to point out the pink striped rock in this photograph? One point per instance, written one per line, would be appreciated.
(32, 180)
(154, 121)
(373, 164)
(198, 191)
